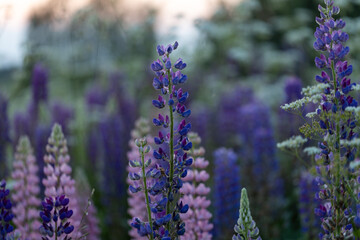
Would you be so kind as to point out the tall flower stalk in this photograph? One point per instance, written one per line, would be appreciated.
(308, 187)
(334, 124)
(58, 181)
(171, 153)
(197, 219)
(6, 214)
(56, 216)
(226, 192)
(26, 192)
(136, 201)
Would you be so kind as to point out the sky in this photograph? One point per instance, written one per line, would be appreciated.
(14, 13)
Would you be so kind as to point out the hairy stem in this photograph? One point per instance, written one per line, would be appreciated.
(337, 160)
(146, 193)
(171, 143)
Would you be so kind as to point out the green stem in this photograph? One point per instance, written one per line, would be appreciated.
(171, 172)
(337, 157)
(146, 192)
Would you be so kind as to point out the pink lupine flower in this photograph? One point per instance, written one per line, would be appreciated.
(26, 190)
(58, 180)
(137, 208)
(194, 190)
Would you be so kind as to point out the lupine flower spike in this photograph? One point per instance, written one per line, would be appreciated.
(5, 211)
(137, 208)
(26, 191)
(58, 181)
(172, 152)
(197, 219)
(144, 228)
(55, 217)
(335, 121)
(309, 186)
(245, 228)
(226, 191)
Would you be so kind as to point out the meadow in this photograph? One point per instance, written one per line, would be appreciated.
(112, 129)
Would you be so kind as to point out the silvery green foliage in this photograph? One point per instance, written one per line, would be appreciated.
(246, 228)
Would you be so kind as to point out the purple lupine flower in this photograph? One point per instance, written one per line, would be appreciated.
(259, 164)
(22, 126)
(228, 117)
(95, 97)
(56, 216)
(226, 192)
(62, 115)
(26, 191)
(6, 214)
(173, 147)
(42, 134)
(336, 124)
(113, 157)
(168, 78)
(309, 187)
(266, 185)
(201, 121)
(293, 87)
(137, 208)
(39, 83)
(253, 115)
(125, 104)
(288, 123)
(4, 134)
(58, 179)
(197, 219)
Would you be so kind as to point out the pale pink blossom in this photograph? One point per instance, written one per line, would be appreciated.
(25, 196)
(197, 219)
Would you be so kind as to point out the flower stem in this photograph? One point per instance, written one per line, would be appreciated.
(337, 160)
(171, 143)
(146, 192)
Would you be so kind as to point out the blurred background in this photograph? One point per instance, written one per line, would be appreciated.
(85, 64)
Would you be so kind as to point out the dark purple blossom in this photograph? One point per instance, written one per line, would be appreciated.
(309, 187)
(173, 145)
(5, 211)
(55, 218)
(39, 83)
(226, 192)
(331, 40)
(62, 115)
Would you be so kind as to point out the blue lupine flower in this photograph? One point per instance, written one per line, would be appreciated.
(5, 211)
(309, 187)
(227, 121)
(55, 215)
(330, 39)
(39, 83)
(95, 97)
(62, 115)
(288, 123)
(173, 145)
(42, 134)
(114, 155)
(226, 192)
(266, 185)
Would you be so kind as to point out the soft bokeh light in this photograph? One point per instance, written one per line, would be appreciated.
(175, 17)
